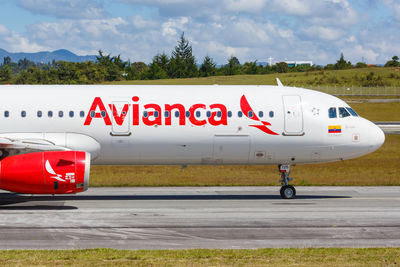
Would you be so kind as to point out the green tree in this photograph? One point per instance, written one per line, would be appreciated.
(361, 65)
(6, 60)
(282, 67)
(183, 63)
(233, 66)
(25, 64)
(5, 73)
(393, 63)
(330, 67)
(136, 70)
(113, 66)
(302, 68)
(342, 64)
(156, 68)
(163, 61)
(33, 75)
(208, 67)
(250, 67)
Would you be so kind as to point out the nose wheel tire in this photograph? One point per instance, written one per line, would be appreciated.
(288, 192)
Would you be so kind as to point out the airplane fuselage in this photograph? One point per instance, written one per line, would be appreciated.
(182, 125)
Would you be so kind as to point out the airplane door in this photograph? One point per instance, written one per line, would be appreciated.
(293, 115)
(120, 118)
(231, 149)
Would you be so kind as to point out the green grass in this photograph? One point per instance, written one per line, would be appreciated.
(205, 257)
(379, 168)
(378, 111)
(348, 78)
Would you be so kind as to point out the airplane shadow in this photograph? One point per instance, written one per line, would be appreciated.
(56, 202)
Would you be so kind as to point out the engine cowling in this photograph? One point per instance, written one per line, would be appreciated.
(50, 172)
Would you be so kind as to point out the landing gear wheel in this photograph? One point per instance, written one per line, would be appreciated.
(288, 192)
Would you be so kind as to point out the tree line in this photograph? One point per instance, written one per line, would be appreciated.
(180, 64)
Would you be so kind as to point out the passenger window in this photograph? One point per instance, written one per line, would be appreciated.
(50, 114)
(229, 114)
(343, 113)
(240, 114)
(208, 114)
(82, 114)
(71, 114)
(103, 113)
(166, 114)
(6, 113)
(250, 114)
(198, 114)
(187, 114)
(92, 114)
(271, 114)
(23, 114)
(145, 114)
(60, 114)
(39, 114)
(332, 113)
(352, 112)
(156, 114)
(177, 114)
(260, 114)
(219, 114)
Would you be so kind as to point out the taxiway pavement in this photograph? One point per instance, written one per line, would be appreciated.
(202, 217)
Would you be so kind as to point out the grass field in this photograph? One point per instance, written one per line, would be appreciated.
(204, 257)
(349, 78)
(379, 168)
(377, 111)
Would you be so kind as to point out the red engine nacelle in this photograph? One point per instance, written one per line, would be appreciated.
(53, 172)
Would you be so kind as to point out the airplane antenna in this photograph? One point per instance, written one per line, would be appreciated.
(279, 82)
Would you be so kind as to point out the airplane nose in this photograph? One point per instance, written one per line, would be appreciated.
(377, 138)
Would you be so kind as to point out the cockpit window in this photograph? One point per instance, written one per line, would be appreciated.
(332, 113)
(343, 113)
(352, 112)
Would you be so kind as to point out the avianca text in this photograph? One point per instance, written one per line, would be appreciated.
(154, 113)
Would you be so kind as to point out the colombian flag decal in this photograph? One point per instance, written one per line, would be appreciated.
(334, 129)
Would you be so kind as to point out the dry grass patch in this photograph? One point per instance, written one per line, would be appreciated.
(378, 111)
(205, 257)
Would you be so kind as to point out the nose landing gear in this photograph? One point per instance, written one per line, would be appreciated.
(287, 191)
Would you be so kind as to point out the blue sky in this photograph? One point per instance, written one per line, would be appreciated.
(316, 30)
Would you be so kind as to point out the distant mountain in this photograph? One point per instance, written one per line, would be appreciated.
(45, 56)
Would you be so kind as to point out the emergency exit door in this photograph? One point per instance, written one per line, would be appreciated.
(120, 118)
(293, 115)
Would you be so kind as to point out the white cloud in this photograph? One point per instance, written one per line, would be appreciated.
(141, 23)
(249, 29)
(3, 30)
(78, 9)
(324, 33)
(359, 52)
(394, 6)
(173, 27)
(251, 6)
(13, 42)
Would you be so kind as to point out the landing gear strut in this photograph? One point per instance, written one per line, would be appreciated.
(287, 191)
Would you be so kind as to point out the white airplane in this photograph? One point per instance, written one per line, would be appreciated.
(51, 134)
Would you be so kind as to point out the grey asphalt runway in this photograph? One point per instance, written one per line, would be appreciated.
(202, 217)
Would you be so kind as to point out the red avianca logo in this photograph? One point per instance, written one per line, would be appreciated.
(246, 109)
(218, 114)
